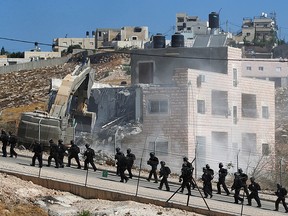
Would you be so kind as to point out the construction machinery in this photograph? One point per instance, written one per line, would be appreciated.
(67, 110)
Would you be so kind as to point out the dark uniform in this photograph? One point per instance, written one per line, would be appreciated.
(185, 160)
(281, 193)
(163, 174)
(237, 185)
(61, 152)
(12, 142)
(221, 180)
(130, 161)
(185, 177)
(117, 155)
(4, 138)
(254, 187)
(211, 176)
(54, 151)
(89, 155)
(207, 185)
(73, 152)
(38, 152)
(122, 165)
(153, 162)
(244, 178)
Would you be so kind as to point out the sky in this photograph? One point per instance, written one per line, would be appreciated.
(43, 20)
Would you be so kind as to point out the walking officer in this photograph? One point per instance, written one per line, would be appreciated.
(185, 178)
(153, 162)
(254, 187)
(89, 155)
(207, 185)
(12, 142)
(54, 151)
(38, 152)
(281, 193)
(163, 174)
(221, 180)
(118, 154)
(130, 161)
(61, 152)
(4, 138)
(73, 152)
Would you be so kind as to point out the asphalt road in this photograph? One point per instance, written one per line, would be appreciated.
(137, 186)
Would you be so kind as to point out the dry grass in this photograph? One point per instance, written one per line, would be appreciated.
(21, 209)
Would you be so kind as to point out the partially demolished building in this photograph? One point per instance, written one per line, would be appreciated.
(194, 102)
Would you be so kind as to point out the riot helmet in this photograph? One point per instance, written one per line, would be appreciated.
(162, 163)
(220, 165)
(128, 150)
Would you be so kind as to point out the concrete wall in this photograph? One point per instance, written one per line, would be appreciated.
(34, 65)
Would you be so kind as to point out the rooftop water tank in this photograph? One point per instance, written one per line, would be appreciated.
(177, 40)
(213, 20)
(158, 41)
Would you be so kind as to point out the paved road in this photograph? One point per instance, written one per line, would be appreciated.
(138, 186)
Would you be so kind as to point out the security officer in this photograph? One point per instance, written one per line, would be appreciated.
(221, 180)
(281, 193)
(61, 152)
(163, 174)
(89, 155)
(118, 154)
(130, 161)
(38, 152)
(207, 185)
(73, 152)
(244, 178)
(4, 138)
(153, 162)
(122, 166)
(12, 142)
(54, 154)
(237, 185)
(210, 172)
(254, 187)
(185, 178)
(186, 161)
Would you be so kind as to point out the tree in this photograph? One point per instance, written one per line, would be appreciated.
(3, 52)
(70, 48)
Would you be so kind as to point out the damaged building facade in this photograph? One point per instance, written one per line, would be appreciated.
(194, 102)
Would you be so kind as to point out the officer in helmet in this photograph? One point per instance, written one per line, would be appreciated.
(118, 154)
(89, 155)
(163, 174)
(188, 165)
(54, 153)
(254, 187)
(221, 180)
(153, 162)
(130, 161)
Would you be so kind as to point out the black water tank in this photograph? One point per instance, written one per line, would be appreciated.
(213, 20)
(177, 40)
(159, 41)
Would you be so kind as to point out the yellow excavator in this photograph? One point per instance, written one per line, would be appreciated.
(67, 110)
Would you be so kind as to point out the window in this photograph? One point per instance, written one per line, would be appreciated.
(201, 106)
(248, 68)
(158, 106)
(219, 102)
(265, 149)
(134, 37)
(248, 34)
(160, 147)
(265, 112)
(278, 69)
(249, 143)
(80, 43)
(249, 107)
(235, 77)
(235, 118)
(261, 68)
(180, 19)
(146, 72)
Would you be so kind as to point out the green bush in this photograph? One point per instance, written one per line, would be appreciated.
(85, 213)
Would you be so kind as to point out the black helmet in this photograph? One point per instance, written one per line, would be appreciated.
(60, 141)
(252, 179)
(87, 145)
(220, 165)
(117, 149)
(240, 170)
(152, 154)
(162, 163)
(185, 158)
(72, 142)
(51, 141)
(128, 150)
(207, 166)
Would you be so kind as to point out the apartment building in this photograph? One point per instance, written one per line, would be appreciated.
(192, 24)
(260, 28)
(267, 69)
(195, 102)
(126, 37)
(61, 44)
